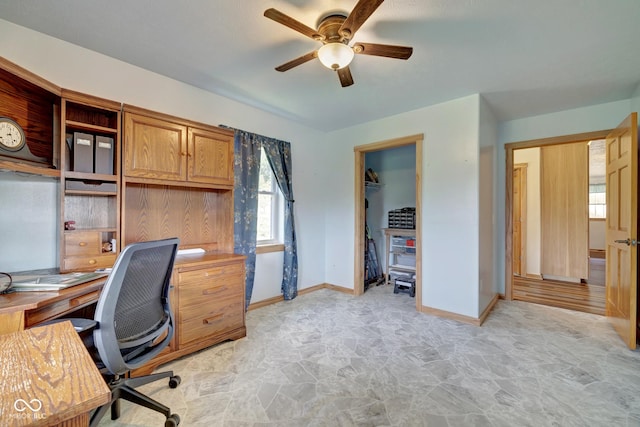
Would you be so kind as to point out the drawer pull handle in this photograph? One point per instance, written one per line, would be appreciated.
(82, 244)
(212, 319)
(92, 261)
(83, 299)
(212, 291)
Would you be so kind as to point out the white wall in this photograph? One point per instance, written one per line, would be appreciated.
(396, 169)
(580, 120)
(487, 139)
(450, 173)
(635, 100)
(76, 68)
(531, 156)
(29, 222)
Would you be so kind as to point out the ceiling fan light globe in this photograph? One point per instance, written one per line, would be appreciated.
(335, 55)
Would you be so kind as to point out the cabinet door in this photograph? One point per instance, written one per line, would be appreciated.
(154, 148)
(210, 157)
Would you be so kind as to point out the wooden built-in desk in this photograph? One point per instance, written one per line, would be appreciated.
(22, 310)
(48, 378)
(207, 300)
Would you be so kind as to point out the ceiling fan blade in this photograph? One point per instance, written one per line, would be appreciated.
(345, 76)
(288, 21)
(360, 13)
(298, 61)
(386, 50)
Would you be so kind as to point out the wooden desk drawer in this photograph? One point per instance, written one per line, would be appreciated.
(194, 293)
(82, 243)
(210, 318)
(209, 273)
(89, 262)
(59, 308)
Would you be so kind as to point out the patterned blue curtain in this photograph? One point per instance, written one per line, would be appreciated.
(279, 155)
(245, 200)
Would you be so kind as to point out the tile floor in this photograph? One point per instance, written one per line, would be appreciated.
(330, 359)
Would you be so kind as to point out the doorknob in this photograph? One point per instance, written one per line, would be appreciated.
(627, 241)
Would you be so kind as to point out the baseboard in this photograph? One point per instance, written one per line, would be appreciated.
(460, 317)
(450, 315)
(487, 310)
(279, 298)
(265, 302)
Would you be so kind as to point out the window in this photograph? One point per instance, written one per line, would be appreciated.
(597, 201)
(270, 206)
(597, 185)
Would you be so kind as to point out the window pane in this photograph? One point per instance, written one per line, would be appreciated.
(265, 221)
(266, 175)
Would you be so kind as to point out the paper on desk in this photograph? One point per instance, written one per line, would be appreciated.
(53, 282)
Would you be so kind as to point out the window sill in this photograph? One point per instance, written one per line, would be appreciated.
(275, 247)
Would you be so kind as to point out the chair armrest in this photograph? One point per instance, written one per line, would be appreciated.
(83, 325)
(79, 324)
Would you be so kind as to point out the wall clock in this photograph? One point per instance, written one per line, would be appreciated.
(13, 142)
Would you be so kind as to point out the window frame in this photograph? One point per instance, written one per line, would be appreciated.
(277, 211)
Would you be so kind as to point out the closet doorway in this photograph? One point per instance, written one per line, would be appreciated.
(552, 242)
(359, 197)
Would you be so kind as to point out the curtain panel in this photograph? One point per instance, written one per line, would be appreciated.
(279, 156)
(247, 148)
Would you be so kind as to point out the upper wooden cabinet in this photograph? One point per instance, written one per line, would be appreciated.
(160, 147)
(210, 156)
(154, 148)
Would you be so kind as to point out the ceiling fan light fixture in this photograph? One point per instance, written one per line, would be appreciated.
(335, 55)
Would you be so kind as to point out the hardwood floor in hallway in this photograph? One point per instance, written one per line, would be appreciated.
(586, 297)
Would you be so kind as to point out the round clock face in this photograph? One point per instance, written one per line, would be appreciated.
(11, 135)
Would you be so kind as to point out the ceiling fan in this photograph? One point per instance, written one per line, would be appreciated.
(335, 31)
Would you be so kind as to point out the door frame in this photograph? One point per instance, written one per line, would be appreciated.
(359, 195)
(523, 216)
(509, 148)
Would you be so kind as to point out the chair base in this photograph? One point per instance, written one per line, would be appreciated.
(124, 388)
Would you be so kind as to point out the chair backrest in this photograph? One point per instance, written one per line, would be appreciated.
(134, 318)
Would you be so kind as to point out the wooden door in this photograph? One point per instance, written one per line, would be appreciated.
(210, 157)
(519, 215)
(621, 234)
(565, 210)
(154, 148)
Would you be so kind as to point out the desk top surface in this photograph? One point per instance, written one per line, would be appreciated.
(47, 377)
(18, 301)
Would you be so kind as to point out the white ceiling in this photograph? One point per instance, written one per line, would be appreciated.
(526, 57)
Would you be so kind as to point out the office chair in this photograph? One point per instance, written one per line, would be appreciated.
(132, 324)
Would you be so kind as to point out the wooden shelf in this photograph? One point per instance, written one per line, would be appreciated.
(27, 168)
(91, 176)
(91, 128)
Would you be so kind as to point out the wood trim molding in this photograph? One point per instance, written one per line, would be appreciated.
(509, 148)
(359, 195)
(27, 75)
(450, 315)
(279, 298)
(488, 309)
(263, 249)
(460, 317)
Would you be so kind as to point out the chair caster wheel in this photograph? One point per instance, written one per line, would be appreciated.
(174, 382)
(172, 421)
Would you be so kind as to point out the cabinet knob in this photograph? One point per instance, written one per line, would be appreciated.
(82, 244)
(183, 153)
(92, 261)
